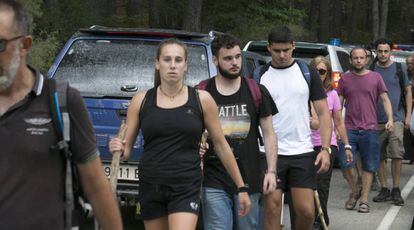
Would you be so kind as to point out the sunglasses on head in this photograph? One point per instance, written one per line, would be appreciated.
(3, 42)
(322, 71)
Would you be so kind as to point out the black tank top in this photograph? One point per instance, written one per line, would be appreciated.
(171, 140)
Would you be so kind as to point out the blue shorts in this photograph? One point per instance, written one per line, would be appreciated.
(366, 144)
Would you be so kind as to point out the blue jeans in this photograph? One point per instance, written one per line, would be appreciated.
(366, 143)
(221, 208)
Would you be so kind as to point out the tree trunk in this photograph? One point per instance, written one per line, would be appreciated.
(384, 18)
(324, 21)
(155, 13)
(192, 18)
(337, 6)
(134, 7)
(120, 6)
(313, 16)
(375, 20)
(354, 20)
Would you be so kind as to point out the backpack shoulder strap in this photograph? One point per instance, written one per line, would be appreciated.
(372, 66)
(61, 121)
(255, 92)
(257, 74)
(203, 84)
(62, 92)
(400, 75)
(304, 68)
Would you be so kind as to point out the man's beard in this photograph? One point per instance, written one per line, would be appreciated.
(227, 74)
(358, 70)
(7, 76)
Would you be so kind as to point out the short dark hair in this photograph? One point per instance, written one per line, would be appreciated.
(21, 19)
(227, 41)
(280, 34)
(357, 48)
(383, 41)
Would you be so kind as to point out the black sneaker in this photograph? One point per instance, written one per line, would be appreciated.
(396, 197)
(384, 195)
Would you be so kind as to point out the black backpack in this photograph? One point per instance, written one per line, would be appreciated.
(76, 207)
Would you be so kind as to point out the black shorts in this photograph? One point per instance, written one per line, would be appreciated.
(161, 200)
(296, 171)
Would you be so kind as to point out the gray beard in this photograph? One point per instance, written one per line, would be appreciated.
(7, 77)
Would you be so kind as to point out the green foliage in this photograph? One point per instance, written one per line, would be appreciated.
(45, 44)
(43, 51)
(282, 15)
(33, 7)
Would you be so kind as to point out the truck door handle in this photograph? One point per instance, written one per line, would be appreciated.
(129, 88)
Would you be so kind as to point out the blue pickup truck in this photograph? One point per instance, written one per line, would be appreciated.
(108, 66)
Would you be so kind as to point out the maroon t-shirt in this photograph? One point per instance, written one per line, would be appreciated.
(361, 94)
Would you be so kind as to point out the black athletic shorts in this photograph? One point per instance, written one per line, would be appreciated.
(161, 200)
(296, 171)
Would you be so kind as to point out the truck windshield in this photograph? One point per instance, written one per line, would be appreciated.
(120, 68)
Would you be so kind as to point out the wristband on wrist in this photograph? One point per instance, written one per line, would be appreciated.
(244, 188)
(348, 147)
(328, 149)
(271, 171)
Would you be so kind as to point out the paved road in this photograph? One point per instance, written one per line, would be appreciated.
(382, 216)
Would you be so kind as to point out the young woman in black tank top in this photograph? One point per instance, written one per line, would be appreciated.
(172, 122)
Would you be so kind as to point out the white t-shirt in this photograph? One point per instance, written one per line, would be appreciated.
(290, 91)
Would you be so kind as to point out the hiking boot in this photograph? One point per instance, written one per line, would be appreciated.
(384, 195)
(396, 197)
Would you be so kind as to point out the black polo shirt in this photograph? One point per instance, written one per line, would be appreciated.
(31, 173)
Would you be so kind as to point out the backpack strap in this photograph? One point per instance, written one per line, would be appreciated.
(400, 76)
(61, 121)
(200, 106)
(256, 95)
(304, 68)
(255, 92)
(259, 71)
(203, 84)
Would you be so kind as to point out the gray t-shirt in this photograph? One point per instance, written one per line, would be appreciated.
(391, 80)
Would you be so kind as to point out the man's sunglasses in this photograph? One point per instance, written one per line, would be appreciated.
(3, 42)
(322, 71)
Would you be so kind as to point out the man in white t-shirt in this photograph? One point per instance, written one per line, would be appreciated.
(298, 163)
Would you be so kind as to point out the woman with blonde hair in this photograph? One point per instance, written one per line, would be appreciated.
(324, 69)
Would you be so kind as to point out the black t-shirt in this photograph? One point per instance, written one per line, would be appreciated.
(171, 137)
(239, 121)
(31, 174)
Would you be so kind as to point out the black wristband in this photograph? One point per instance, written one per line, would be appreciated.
(244, 188)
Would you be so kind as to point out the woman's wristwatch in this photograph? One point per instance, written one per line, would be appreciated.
(348, 147)
(328, 149)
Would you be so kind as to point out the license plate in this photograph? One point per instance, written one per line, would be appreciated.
(126, 172)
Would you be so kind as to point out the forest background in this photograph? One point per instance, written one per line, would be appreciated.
(352, 21)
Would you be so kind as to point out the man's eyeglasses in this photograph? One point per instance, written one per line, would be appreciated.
(322, 71)
(3, 42)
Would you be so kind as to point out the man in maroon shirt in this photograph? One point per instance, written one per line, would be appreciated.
(361, 89)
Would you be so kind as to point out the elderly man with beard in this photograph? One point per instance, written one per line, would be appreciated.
(31, 172)
(239, 119)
